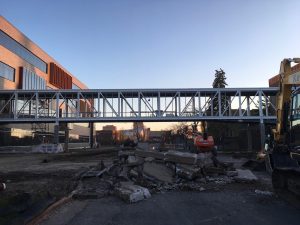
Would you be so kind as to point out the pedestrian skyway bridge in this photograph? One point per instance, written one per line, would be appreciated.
(125, 105)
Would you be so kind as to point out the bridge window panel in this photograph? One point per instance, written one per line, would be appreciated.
(7, 72)
(31, 80)
(22, 52)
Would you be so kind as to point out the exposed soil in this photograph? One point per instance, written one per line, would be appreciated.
(34, 181)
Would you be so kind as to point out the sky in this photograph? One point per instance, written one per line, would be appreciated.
(162, 44)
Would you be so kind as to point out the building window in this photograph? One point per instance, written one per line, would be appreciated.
(7, 72)
(30, 80)
(15, 47)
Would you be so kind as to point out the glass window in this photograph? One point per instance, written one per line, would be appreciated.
(21, 51)
(295, 129)
(32, 80)
(7, 72)
(296, 107)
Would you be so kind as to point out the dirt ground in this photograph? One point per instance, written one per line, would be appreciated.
(35, 181)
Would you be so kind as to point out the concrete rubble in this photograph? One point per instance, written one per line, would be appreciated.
(137, 174)
(132, 193)
(267, 193)
(2, 186)
(181, 157)
(245, 176)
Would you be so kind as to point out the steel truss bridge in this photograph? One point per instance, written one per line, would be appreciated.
(128, 105)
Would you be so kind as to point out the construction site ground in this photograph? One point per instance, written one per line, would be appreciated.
(36, 181)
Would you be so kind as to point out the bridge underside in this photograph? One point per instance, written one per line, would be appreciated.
(155, 105)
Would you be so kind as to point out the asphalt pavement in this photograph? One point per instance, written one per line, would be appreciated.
(236, 205)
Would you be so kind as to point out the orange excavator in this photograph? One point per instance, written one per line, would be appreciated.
(202, 141)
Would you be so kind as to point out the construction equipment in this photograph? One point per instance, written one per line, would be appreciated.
(202, 141)
(283, 151)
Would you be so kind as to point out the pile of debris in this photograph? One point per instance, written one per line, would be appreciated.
(137, 174)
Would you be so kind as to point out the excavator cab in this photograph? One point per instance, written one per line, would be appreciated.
(294, 141)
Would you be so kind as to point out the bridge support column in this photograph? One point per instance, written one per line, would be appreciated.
(56, 133)
(249, 137)
(66, 147)
(262, 134)
(91, 137)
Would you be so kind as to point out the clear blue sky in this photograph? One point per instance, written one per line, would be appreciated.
(167, 43)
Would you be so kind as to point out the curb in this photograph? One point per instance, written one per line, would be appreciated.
(41, 216)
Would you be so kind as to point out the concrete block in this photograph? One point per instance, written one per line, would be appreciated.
(154, 154)
(214, 170)
(158, 171)
(186, 173)
(132, 193)
(2, 187)
(204, 159)
(132, 159)
(149, 159)
(267, 193)
(231, 173)
(245, 176)
(181, 157)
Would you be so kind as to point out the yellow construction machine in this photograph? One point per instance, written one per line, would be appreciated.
(283, 152)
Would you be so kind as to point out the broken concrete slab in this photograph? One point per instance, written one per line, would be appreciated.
(231, 173)
(90, 173)
(149, 159)
(181, 157)
(221, 180)
(214, 171)
(267, 193)
(204, 159)
(2, 186)
(132, 193)
(154, 154)
(245, 176)
(132, 159)
(92, 188)
(158, 171)
(187, 172)
(255, 165)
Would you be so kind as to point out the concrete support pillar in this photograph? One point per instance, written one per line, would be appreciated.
(91, 137)
(66, 147)
(262, 134)
(249, 138)
(56, 133)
